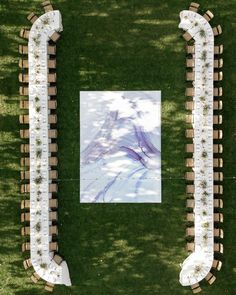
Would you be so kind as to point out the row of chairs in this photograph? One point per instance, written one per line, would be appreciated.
(24, 63)
(25, 148)
(217, 91)
(52, 104)
(208, 15)
(24, 78)
(218, 49)
(28, 264)
(190, 76)
(217, 134)
(51, 49)
(52, 133)
(24, 91)
(217, 149)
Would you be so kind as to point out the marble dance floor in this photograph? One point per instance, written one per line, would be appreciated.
(120, 146)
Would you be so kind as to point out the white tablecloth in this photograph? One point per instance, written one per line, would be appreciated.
(198, 264)
(41, 257)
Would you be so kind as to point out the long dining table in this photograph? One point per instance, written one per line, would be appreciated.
(198, 264)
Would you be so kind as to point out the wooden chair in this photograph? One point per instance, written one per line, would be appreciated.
(190, 247)
(58, 259)
(217, 134)
(52, 104)
(217, 30)
(53, 246)
(24, 104)
(189, 162)
(53, 148)
(53, 216)
(52, 90)
(27, 263)
(218, 63)
(47, 6)
(52, 119)
(196, 288)
(218, 189)
(52, 133)
(53, 174)
(210, 278)
(218, 76)
(190, 189)
(217, 119)
(189, 176)
(49, 287)
(24, 133)
(190, 49)
(208, 15)
(32, 17)
(218, 217)
(189, 133)
(52, 49)
(25, 247)
(53, 203)
(218, 203)
(25, 217)
(218, 248)
(217, 264)
(55, 36)
(25, 204)
(189, 92)
(218, 91)
(25, 231)
(190, 203)
(53, 230)
(23, 49)
(190, 63)
(53, 161)
(217, 162)
(53, 188)
(194, 6)
(218, 233)
(23, 63)
(218, 176)
(218, 148)
(190, 218)
(189, 148)
(24, 91)
(24, 119)
(218, 49)
(217, 105)
(52, 77)
(187, 37)
(24, 33)
(24, 189)
(35, 277)
(52, 64)
(190, 76)
(190, 230)
(189, 119)
(25, 161)
(23, 78)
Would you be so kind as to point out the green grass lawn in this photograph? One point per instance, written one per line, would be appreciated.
(114, 45)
